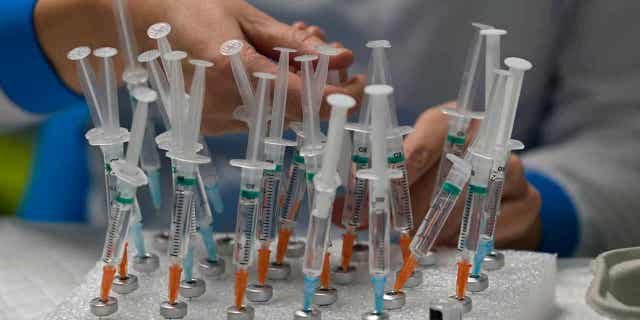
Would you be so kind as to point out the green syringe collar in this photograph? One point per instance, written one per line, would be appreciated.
(123, 200)
(298, 158)
(451, 188)
(310, 176)
(477, 189)
(185, 181)
(107, 167)
(396, 158)
(277, 169)
(248, 194)
(454, 139)
(359, 159)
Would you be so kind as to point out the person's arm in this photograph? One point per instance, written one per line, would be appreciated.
(199, 28)
(592, 137)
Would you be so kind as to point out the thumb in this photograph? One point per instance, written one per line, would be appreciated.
(265, 33)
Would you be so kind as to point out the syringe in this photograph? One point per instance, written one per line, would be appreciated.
(183, 152)
(461, 115)
(274, 153)
(379, 190)
(435, 218)
(249, 202)
(503, 147)
(130, 177)
(325, 184)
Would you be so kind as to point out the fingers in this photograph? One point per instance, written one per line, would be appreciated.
(519, 225)
(515, 185)
(423, 146)
(353, 87)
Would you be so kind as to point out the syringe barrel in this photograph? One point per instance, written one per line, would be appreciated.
(248, 210)
(494, 196)
(400, 194)
(111, 153)
(293, 191)
(379, 225)
(318, 232)
(472, 213)
(184, 195)
(313, 165)
(441, 207)
(356, 197)
(149, 158)
(271, 185)
(118, 227)
(453, 144)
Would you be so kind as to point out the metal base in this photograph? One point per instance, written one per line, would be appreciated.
(445, 310)
(147, 263)
(414, 280)
(101, 308)
(429, 260)
(313, 314)
(394, 300)
(210, 268)
(192, 288)
(125, 285)
(324, 297)
(225, 246)
(493, 261)
(342, 277)
(466, 303)
(161, 242)
(478, 283)
(295, 249)
(375, 316)
(258, 293)
(360, 253)
(244, 313)
(279, 271)
(176, 310)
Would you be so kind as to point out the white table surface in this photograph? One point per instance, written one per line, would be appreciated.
(40, 263)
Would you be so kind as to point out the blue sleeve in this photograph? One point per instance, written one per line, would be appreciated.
(24, 68)
(558, 215)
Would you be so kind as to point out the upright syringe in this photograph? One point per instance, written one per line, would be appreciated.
(130, 177)
(503, 147)
(461, 115)
(274, 150)
(325, 184)
(379, 189)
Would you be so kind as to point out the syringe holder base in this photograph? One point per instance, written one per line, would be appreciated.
(415, 279)
(394, 300)
(212, 269)
(193, 288)
(493, 261)
(147, 263)
(478, 283)
(295, 249)
(324, 297)
(242, 313)
(125, 285)
(176, 310)
(161, 242)
(313, 314)
(375, 316)
(466, 303)
(343, 277)
(101, 308)
(225, 246)
(429, 260)
(258, 293)
(360, 253)
(279, 271)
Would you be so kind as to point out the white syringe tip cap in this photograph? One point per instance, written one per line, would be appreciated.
(175, 55)
(264, 75)
(144, 94)
(306, 57)
(283, 49)
(231, 47)
(379, 44)
(105, 52)
(378, 89)
(159, 30)
(339, 100)
(149, 55)
(493, 32)
(79, 53)
(518, 63)
(328, 50)
(481, 26)
(201, 63)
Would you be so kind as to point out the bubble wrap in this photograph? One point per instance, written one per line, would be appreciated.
(523, 289)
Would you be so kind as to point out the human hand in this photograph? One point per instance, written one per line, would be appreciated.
(199, 27)
(518, 226)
